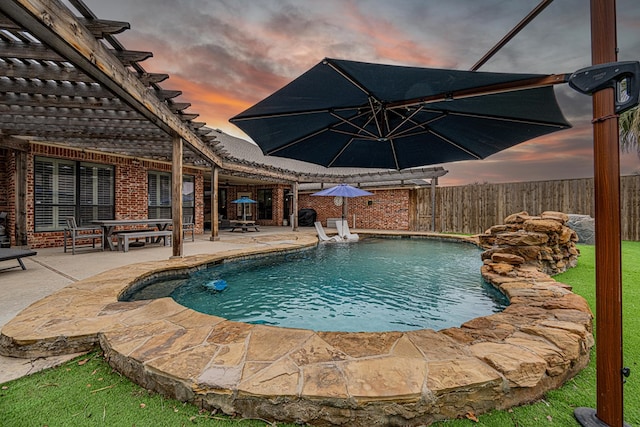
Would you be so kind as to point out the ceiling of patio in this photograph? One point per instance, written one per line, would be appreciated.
(49, 93)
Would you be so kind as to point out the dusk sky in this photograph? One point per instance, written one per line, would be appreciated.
(226, 55)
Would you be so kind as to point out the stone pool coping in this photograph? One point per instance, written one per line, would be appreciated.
(538, 342)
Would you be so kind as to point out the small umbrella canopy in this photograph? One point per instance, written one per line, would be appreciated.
(244, 200)
(343, 190)
(356, 114)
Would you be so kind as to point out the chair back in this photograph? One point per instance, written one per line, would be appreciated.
(187, 219)
(71, 222)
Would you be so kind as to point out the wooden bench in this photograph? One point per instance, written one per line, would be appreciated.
(123, 238)
(7, 254)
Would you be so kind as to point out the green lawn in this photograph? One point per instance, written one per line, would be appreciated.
(87, 392)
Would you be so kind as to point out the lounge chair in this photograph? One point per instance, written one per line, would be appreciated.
(343, 231)
(7, 254)
(323, 236)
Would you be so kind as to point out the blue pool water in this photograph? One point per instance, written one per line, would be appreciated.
(373, 285)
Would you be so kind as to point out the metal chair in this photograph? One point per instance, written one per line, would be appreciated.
(188, 227)
(75, 233)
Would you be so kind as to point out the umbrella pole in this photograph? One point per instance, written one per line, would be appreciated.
(344, 208)
(606, 151)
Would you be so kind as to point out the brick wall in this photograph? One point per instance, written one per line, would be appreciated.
(384, 210)
(131, 195)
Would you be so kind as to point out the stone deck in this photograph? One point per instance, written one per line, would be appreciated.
(322, 378)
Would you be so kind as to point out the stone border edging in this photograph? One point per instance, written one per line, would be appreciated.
(538, 342)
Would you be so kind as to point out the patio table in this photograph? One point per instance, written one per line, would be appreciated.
(244, 225)
(109, 225)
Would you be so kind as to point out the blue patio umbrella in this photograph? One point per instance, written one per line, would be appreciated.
(244, 200)
(344, 191)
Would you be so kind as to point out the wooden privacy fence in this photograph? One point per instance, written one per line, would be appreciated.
(476, 207)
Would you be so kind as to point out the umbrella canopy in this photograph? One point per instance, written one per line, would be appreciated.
(244, 200)
(356, 114)
(343, 190)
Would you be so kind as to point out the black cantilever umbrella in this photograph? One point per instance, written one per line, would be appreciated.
(355, 114)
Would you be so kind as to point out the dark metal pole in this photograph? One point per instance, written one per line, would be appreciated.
(511, 34)
(606, 154)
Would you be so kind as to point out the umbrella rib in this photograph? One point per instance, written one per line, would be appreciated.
(350, 123)
(346, 76)
(333, 160)
(374, 113)
(296, 141)
(416, 124)
(395, 155)
(459, 147)
(509, 119)
(291, 113)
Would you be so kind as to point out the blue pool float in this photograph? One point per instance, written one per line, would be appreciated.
(216, 285)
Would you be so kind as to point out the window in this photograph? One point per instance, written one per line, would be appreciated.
(265, 204)
(65, 188)
(160, 195)
(188, 196)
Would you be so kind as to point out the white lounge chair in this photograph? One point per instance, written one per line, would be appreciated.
(323, 236)
(343, 231)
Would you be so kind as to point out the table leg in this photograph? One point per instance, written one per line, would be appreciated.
(107, 233)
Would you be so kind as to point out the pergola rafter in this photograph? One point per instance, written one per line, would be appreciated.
(65, 80)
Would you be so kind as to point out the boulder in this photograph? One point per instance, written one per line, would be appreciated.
(543, 226)
(561, 217)
(507, 258)
(517, 218)
(584, 226)
(521, 239)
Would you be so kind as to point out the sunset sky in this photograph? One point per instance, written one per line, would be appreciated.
(226, 55)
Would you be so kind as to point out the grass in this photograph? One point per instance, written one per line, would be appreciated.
(87, 392)
(556, 409)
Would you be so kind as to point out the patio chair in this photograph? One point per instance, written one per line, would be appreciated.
(188, 227)
(343, 231)
(75, 233)
(323, 236)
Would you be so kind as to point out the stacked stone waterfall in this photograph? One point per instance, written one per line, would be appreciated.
(544, 242)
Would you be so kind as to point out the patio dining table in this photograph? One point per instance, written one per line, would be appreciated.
(109, 225)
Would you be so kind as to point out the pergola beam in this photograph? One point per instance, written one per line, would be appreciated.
(54, 23)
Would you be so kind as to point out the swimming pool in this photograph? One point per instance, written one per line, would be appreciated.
(374, 285)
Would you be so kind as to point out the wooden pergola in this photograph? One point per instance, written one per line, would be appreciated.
(65, 79)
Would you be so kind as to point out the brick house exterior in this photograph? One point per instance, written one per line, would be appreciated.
(384, 210)
(131, 189)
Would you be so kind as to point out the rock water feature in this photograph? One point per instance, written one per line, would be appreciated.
(542, 339)
(543, 242)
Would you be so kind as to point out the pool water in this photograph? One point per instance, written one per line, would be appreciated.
(373, 285)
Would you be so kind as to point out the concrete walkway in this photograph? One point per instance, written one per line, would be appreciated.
(52, 269)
